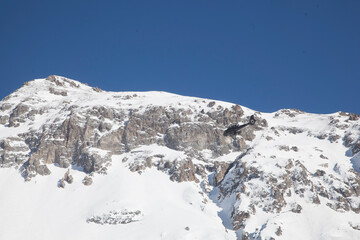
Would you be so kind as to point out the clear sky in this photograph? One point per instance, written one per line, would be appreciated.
(265, 55)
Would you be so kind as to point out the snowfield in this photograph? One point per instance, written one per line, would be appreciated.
(40, 210)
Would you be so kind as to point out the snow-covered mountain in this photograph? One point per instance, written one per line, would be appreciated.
(81, 163)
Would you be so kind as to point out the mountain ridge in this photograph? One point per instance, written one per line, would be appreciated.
(287, 166)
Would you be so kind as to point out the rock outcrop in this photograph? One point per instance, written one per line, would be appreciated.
(266, 169)
(87, 136)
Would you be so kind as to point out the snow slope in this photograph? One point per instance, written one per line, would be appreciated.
(40, 210)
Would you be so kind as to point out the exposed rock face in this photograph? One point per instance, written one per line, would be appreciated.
(266, 169)
(13, 151)
(295, 179)
(74, 137)
(117, 217)
(68, 178)
(257, 184)
(220, 168)
(87, 181)
(355, 148)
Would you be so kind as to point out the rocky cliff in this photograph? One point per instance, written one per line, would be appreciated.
(285, 166)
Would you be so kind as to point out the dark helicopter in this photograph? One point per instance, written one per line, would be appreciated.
(236, 129)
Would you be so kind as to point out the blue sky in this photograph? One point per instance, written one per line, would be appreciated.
(265, 55)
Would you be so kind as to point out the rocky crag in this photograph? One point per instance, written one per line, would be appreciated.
(287, 163)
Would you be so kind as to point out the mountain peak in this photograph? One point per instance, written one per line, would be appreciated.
(291, 166)
(63, 81)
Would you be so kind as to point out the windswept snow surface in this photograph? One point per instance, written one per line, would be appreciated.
(39, 210)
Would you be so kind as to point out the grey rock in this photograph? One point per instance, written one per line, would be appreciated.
(96, 89)
(117, 217)
(333, 138)
(319, 173)
(4, 119)
(57, 92)
(323, 157)
(354, 117)
(68, 177)
(269, 138)
(211, 104)
(284, 148)
(61, 183)
(239, 219)
(92, 161)
(87, 181)
(295, 148)
(184, 171)
(42, 170)
(220, 169)
(18, 115)
(5, 106)
(296, 208)
(355, 148)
